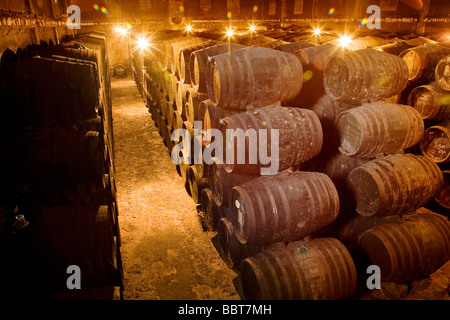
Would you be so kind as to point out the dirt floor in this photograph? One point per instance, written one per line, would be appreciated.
(166, 254)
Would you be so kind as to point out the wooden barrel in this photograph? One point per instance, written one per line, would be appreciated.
(293, 47)
(193, 100)
(299, 138)
(176, 49)
(253, 77)
(185, 55)
(259, 41)
(379, 128)
(321, 269)
(394, 48)
(443, 199)
(313, 60)
(328, 111)
(284, 207)
(177, 121)
(231, 250)
(431, 101)
(410, 248)
(196, 181)
(221, 183)
(211, 213)
(212, 116)
(200, 58)
(435, 144)
(365, 75)
(422, 61)
(181, 98)
(395, 184)
(442, 73)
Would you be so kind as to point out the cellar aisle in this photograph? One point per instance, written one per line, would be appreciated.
(165, 252)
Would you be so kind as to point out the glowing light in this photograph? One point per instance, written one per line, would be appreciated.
(182, 9)
(129, 27)
(255, 9)
(121, 31)
(96, 7)
(252, 28)
(363, 22)
(230, 32)
(142, 43)
(229, 14)
(344, 41)
(317, 31)
(331, 11)
(188, 28)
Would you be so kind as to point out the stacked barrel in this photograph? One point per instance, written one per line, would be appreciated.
(342, 179)
(58, 171)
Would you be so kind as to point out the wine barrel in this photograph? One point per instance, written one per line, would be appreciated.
(193, 100)
(211, 213)
(185, 54)
(422, 61)
(231, 250)
(379, 128)
(293, 47)
(328, 111)
(435, 144)
(181, 98)
(196, 181)
(176, 49)
(313, 60)
(285, 207)
(395, 184)
(200, 58)
(365, 75)
(410, 248)
(212, 117)
(300, 138)
(321, 269)
(431, 101)
(221, 183)
(442, 73)
(252, 77)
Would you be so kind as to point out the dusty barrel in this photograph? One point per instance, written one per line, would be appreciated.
(222, 183)
(442, 73)
(176, 49)
(290, 135)
(259, 40)
(196, 181)
(395, 48)
(295, 46)
(410, 248)
(181, 98)
(313, 60)
(252, 77)
(435, 143)
(284, 207)
(210, 212)
(379, 128)
(231, 250)
(431, 101)
(395, 184)
(365, 75)
(422, 61)
(185, 55)
(328, 111)
(199, 60)
(321, 269)
(193, 100)
(212, 115)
